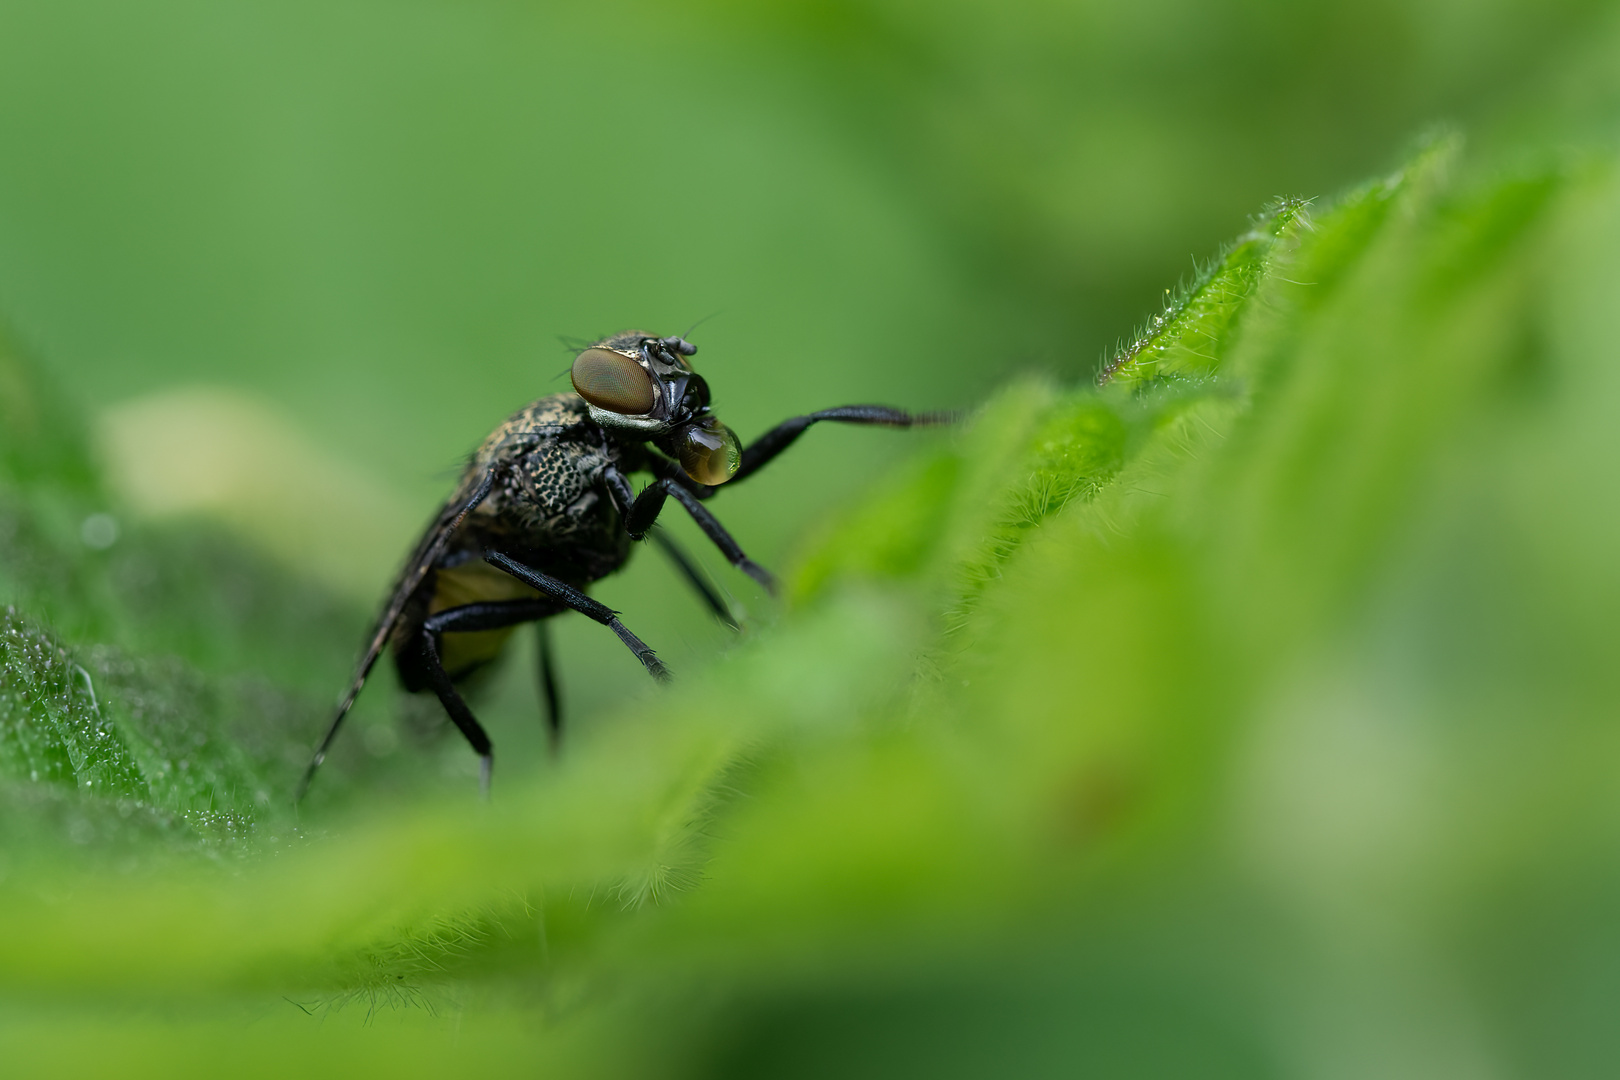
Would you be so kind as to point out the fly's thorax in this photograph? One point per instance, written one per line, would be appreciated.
(551, 494)
(560, 416)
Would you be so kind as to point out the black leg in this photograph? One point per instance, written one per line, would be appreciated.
(696, 578)
(759, 452)
(548, 687)
(460, 715)
(568, 596)
(491, 615)
(472, 617)
(428, 548)
(641, 512)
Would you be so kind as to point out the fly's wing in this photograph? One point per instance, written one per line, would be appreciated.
(428, 549)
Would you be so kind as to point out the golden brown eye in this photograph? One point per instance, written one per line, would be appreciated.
(613, 381)
(710, 453)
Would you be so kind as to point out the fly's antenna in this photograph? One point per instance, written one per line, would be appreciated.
(700, 322)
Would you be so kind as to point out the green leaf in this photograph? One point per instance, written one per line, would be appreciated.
(1270, 677)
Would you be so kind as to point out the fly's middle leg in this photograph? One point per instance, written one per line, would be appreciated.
(468, 618)
(566, 595)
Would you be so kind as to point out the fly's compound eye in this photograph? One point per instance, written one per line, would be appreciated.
(613, 381)
(710, 452)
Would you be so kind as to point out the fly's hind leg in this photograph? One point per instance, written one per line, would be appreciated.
(550, 699)
(467, 618)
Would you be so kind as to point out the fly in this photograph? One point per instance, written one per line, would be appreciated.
(545, 508)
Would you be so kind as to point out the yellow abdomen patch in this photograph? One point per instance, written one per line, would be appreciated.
(474, 582)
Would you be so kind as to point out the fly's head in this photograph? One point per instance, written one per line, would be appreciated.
(641, 386)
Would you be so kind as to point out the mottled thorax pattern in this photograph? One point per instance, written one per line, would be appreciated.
(549, 504)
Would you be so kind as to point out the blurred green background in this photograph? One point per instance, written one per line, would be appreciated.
(378, 218)
(1250, 716)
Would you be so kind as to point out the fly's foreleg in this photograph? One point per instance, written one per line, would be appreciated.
(760, 452)
(641, 512)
